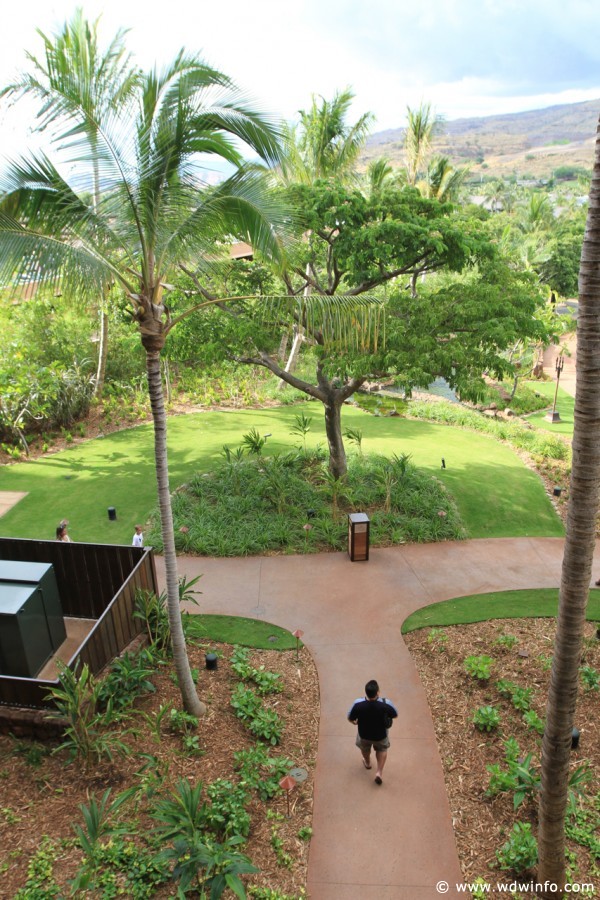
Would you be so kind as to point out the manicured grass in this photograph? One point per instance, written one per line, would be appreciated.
(537, 603)
(497, 496)
(565, 405)
(238, 630)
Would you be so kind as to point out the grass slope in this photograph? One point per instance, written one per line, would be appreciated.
(537, 603)
(496, 494)
(565, 406)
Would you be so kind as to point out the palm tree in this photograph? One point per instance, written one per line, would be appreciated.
(379, 175)
(76, 75)
(442, 181)
(153, 214)
(578, 555)
(324, 144)
(423, 124)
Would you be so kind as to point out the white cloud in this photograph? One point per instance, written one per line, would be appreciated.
(468, 57)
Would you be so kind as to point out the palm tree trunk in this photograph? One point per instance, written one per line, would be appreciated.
(577, 562)
(191, 702)
(102, 356)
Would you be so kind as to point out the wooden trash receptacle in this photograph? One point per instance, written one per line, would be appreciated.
(358, 536)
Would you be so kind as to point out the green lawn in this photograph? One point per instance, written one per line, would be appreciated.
(565, 406)
(496, 494)
(538, 603)
(239, 630)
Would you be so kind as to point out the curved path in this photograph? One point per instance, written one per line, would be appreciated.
(396, 841)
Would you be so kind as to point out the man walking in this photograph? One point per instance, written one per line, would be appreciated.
(373, 715)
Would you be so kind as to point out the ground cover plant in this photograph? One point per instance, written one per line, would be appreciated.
(290, 503)
(488, 734)
(115, 470)
(182, 799)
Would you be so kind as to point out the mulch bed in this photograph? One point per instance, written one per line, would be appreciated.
(44, 799)
(481, 824)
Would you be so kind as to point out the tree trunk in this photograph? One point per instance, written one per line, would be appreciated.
(333, 429)
(102, 355)
(191, 702)
(294, 353)
(577, 561)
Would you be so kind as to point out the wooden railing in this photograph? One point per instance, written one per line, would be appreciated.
(95, 581)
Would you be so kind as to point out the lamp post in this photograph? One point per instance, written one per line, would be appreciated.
(559, 366)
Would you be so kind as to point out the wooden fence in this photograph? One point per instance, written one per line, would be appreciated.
(95, 581)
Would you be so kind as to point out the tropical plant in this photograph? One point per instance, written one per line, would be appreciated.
(99, 822)
(520, 852)
(422, 125)
(479, 667)
(153, 215)
(301, 427)
(486, 718)
(75, 76)
(324, 144)
(76, 698)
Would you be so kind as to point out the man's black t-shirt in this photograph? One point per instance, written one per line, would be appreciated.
(370, 715)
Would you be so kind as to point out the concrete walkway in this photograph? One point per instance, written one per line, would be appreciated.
(396, 841)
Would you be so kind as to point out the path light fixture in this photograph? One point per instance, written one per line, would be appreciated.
(112, 514)
(287, 784)
(559, 366)
(575, 738)
(443, 463)
(211, 661)
(297, 634)
(557, 491)
(358, 536)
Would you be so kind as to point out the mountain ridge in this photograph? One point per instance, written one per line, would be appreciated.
(531, 142)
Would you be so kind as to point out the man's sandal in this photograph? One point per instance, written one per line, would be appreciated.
(365, 764)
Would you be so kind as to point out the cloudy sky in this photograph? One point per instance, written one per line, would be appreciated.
(467, 57)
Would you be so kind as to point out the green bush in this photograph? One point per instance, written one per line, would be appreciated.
(520, 852)
(486, 718)
(479, 667)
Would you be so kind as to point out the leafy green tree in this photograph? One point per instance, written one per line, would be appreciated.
(584, 500)
(368, 313)
(77, 78)
(151, 215)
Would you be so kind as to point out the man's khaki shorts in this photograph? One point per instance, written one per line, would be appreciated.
(377, 745)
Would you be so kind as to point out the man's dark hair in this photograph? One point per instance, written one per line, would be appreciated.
(371, 689)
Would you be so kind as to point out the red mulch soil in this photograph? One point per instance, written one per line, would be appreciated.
(482, 824)
(43, 799)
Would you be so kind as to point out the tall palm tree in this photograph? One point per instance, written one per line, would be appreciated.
(153, 214)
(422, 125)
(577, 561)
(325, 144)
(76, 77)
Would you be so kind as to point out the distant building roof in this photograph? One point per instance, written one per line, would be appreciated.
(241, 250)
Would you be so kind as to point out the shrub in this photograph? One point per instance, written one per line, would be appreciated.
(533, 721)
(520, 852)
(590, 678)
(479, 667)
(486, 718)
